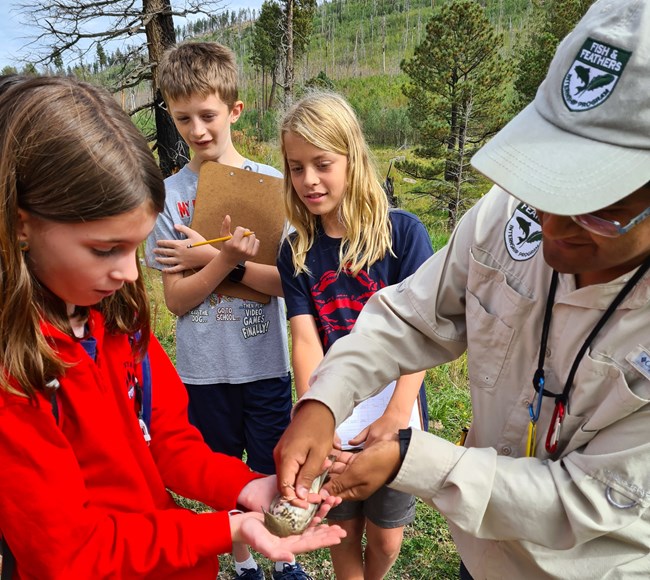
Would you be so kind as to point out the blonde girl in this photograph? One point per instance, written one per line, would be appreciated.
(82, 493)
(347, 245)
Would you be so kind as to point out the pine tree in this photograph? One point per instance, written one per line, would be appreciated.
(280, 36)
(101, 56)
(265, 53)
(551, 21)
(458, 97)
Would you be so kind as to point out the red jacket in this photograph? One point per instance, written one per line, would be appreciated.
(87, 498)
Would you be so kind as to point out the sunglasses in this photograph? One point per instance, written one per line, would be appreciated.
(608, 228)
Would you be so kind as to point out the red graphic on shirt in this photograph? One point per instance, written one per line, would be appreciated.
(338, 311)
(183, 208)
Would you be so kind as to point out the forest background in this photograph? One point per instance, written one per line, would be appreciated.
(431, 81)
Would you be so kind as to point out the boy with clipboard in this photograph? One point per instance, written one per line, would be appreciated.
(231, 352)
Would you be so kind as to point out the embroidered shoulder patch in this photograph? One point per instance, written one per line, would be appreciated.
(523, 234)
(593, 75)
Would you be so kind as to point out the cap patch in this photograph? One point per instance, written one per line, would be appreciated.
(593, 75)
(523, 234)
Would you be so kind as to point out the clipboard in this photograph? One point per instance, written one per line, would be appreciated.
(254, 201)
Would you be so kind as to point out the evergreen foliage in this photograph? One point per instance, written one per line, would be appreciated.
(458, 89)
(265, 49)
(550, 22)
(280, 35)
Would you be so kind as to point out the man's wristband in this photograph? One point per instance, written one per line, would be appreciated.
(237, 273)
(404, 438)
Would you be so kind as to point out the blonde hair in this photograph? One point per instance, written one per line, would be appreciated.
(198, 68)
(326, 120)
(68, 154)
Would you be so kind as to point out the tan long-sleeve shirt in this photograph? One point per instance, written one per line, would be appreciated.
(581, 513)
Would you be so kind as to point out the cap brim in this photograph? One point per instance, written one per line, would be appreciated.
(559, 172)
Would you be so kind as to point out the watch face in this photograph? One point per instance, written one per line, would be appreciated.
(237, 273)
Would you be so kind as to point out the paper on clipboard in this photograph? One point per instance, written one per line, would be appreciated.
(369, 411)
(252, 200)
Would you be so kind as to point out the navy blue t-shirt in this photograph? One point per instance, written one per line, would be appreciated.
(335, 302)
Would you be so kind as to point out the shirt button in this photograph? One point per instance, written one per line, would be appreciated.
(548, 352)
(506, 450)
(526, 403)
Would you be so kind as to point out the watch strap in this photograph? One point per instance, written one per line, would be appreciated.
(237, 273)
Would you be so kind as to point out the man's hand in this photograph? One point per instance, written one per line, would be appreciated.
(303, 448)
(356, 476)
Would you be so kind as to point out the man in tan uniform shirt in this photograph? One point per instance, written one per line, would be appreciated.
(554, 478)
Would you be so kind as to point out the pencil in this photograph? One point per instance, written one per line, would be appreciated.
(216, 240)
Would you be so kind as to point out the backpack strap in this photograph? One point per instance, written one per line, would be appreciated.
(143, 394)
(146, 390)
(54, 400)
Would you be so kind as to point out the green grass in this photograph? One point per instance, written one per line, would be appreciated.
(163, 322)
(428, 552)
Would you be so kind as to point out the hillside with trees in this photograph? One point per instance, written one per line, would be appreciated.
(430, 79)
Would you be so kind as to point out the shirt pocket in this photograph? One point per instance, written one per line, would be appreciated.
(600, 397)
(608, 432)
(494, 312)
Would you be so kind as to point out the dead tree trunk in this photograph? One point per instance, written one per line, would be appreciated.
(173, 152)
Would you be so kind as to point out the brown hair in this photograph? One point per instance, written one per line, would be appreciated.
(68, 154)
(199, 68)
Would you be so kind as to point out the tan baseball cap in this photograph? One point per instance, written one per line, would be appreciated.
(584, 141)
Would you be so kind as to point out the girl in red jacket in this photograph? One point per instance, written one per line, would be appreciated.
(82, 493)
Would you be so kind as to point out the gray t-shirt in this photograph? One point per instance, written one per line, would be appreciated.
(223, 339)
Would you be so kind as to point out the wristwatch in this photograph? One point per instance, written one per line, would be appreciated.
(237, 273)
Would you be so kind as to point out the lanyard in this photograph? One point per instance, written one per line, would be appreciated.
(562, 399)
